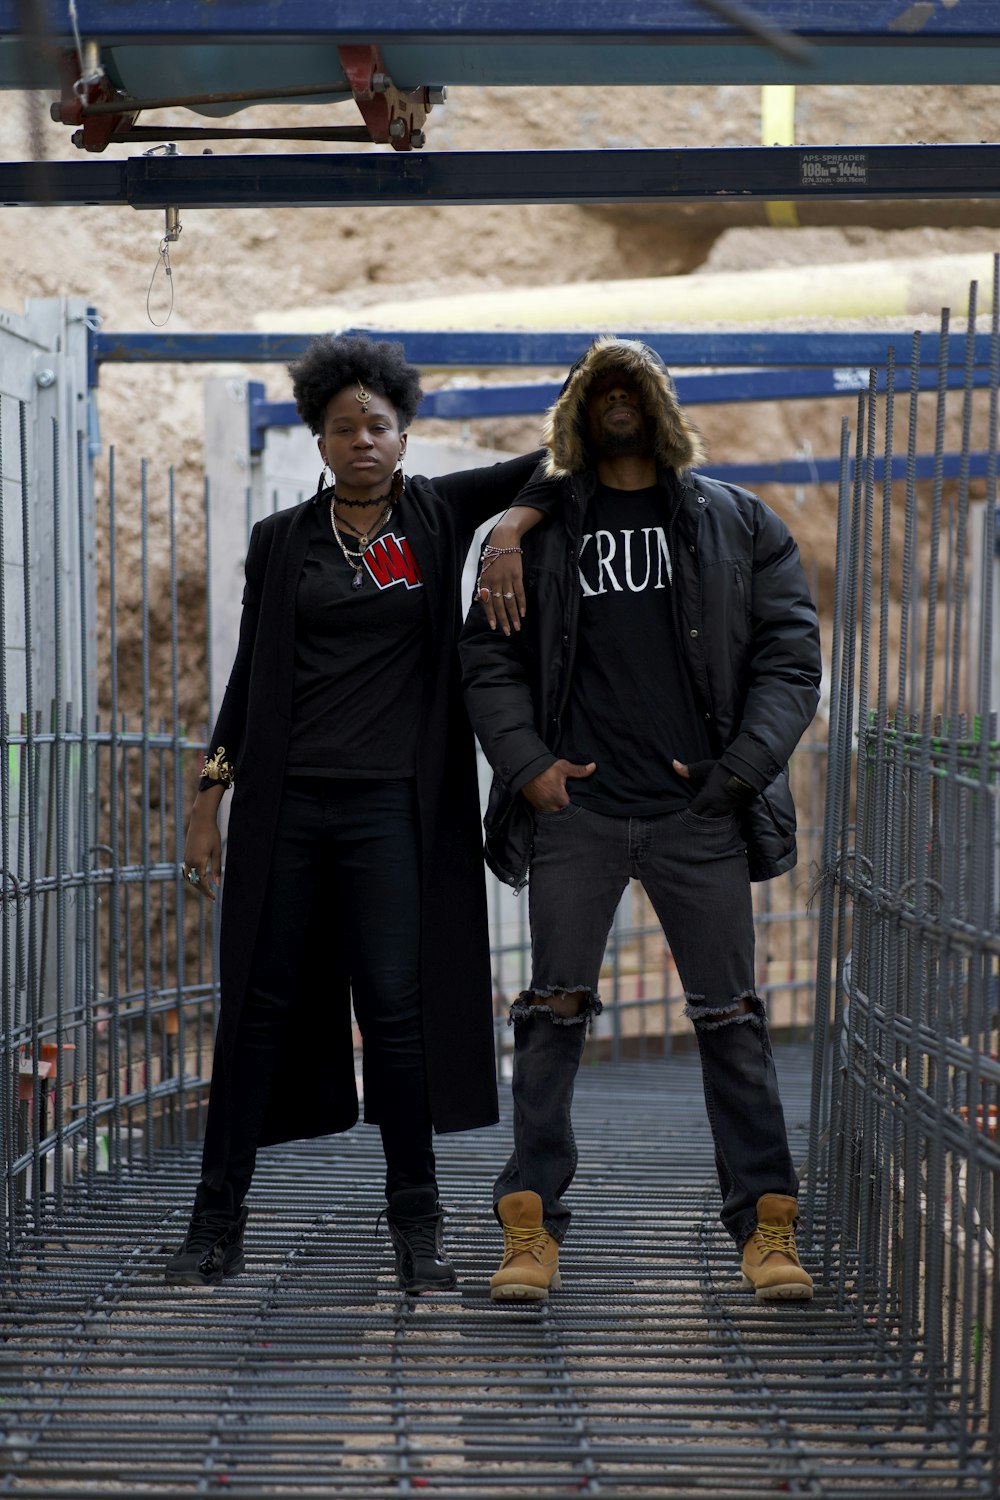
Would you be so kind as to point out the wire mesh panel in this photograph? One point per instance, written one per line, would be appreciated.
(907, 1069)
(651, 1373)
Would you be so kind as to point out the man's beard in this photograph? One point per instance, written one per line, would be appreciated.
(617, 443)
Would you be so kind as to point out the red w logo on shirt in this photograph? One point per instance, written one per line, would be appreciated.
(390, 560)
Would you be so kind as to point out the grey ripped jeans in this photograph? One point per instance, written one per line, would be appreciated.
(694, 871)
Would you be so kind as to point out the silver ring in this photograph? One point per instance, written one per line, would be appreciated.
(508, 596)
(497, 594)
(192, 876)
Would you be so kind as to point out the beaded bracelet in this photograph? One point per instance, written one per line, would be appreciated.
(490, 555)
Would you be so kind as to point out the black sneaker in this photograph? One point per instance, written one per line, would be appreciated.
(416, 1224)
(212, 1248)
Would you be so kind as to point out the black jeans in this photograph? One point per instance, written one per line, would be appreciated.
(352, 845)
(694, 871)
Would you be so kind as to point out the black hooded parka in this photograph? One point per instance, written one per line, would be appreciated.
(743, 617)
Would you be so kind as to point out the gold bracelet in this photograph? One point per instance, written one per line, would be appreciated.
(217, 767)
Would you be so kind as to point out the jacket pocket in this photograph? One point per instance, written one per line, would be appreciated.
(777, 798)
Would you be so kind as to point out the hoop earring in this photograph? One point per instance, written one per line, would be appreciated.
(324, 483)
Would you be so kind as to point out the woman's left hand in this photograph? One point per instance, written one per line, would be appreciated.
(500, 585)
(501, 589)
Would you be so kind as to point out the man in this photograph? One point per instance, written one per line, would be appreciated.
(639, 724)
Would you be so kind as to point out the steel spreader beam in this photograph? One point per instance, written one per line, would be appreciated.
(474, 177)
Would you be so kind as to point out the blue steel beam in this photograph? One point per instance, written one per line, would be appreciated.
(886, 20)
(804, 384)
(471, 402)
(475, 177)
(827, 470)
(844, 353)
(264, 414)
(154, 47)
(170, 68)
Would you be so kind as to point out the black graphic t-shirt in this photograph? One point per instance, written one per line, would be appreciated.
(358, 659)
(631, 707)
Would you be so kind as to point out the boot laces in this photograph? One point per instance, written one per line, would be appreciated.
(419, 1232)
(206, 1230)
(518, 1240)
(779, 1237)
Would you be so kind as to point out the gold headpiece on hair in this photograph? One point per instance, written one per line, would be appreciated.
(362, 397)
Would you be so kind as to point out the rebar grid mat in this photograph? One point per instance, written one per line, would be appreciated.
(651, 1373)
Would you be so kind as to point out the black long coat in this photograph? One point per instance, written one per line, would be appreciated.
(314, 1091)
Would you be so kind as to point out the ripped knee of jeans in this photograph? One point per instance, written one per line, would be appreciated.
(563, 1005)
(746, 1007)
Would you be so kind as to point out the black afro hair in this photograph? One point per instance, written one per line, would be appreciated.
(331, 362)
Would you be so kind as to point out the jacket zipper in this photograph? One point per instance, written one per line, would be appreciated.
(572, 613)
(707, 696)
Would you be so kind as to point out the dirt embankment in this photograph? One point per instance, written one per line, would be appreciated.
(229, 264)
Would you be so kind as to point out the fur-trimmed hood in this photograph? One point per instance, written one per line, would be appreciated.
(677, 440)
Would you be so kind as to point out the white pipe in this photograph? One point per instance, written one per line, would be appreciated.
(846, 289)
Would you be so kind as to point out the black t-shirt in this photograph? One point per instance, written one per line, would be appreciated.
(631, 707)
(358, 658)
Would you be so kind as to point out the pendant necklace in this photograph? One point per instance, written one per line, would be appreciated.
(354, 557)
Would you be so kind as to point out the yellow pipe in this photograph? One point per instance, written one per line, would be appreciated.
(777, 128)
(846, 289)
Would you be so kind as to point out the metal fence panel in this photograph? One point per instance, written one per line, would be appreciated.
(907, 1071)
(107, 986)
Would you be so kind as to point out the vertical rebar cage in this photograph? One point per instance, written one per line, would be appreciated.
(907, 1075)
(107, 975)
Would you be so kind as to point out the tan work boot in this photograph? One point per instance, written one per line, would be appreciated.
(530, 1264)
(770, 1261)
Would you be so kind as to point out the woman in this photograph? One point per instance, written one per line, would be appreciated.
(354, 861)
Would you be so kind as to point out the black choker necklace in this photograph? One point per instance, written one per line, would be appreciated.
(362, 504)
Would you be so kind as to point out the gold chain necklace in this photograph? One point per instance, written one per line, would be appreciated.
(369, 531)
(354, 557)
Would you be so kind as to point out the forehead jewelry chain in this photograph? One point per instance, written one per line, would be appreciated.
(362, 397)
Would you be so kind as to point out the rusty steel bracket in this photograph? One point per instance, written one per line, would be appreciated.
(391, 115)
(78, 95)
